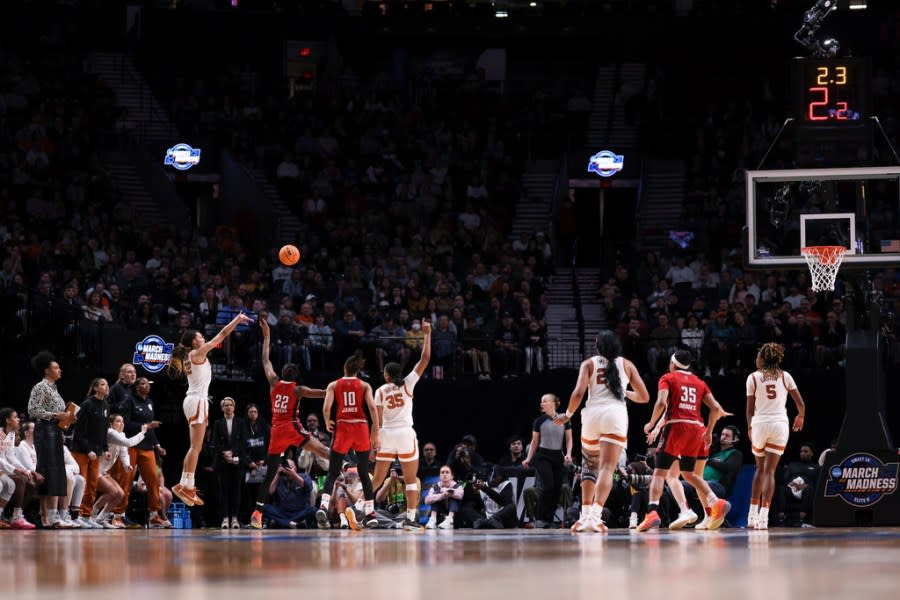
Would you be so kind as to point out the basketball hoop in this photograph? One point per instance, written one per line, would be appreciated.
(824, 262)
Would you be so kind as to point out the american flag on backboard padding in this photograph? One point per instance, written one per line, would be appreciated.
(890, 245)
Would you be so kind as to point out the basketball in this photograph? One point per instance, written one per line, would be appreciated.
(289, 255)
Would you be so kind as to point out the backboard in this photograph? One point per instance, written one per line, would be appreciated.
(858, 208)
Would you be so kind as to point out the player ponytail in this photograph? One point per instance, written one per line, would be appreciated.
(610, 348)
(176, 370)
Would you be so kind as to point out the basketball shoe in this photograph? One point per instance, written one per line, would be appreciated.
(717, 513)
(651, 521)
(686, 517)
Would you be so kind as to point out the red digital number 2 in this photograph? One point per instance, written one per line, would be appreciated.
(811, 109)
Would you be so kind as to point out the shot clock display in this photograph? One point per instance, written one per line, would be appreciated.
(830, 91)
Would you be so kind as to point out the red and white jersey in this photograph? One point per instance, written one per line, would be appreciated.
(771, 396)
(686, 393)
(350, 396)
(284, 402)
(397, 402)
(599, 393)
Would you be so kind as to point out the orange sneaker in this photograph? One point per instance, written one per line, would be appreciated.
(651, 521)
(256, 519)
(117, 523)
(188, 495)
(717, 513)
(351, 519)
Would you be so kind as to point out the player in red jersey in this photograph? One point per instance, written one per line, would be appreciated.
(351, 431)
(684, 439)
(287, 430)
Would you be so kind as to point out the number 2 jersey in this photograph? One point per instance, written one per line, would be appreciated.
(396, 400)
(349, 395)
(686, 393)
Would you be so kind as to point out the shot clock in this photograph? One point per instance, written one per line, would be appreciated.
(830, 91)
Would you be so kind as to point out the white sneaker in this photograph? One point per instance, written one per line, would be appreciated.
(752, 521)
(762, 524)
(446, 524)
(704, 524)
(585, 524)
(68, 520)
(684, 518)
(86, 523)
(431, 524)
(632, 521)
(235, 524)
(225, 524)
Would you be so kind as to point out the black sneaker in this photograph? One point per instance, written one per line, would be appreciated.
(371, 521)
(413, 526)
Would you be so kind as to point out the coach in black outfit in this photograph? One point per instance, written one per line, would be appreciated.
(230, 440)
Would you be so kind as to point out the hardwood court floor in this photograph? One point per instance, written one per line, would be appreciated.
(780, 564)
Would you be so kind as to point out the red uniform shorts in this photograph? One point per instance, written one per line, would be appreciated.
(683, 440)
(351, 435)
(287, 435)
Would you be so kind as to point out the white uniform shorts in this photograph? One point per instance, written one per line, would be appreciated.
(196, 409)
(605, 423)
(771, 436)
(397, 442)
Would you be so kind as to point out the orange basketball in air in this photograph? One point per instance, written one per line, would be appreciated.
(289, 255)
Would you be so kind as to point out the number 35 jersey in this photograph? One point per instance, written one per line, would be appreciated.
(396, 400)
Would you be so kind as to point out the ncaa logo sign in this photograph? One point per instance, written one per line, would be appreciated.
(153, 353)
(606, 163)
(182, 157)
(861, 480)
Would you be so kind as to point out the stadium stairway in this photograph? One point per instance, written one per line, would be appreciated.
(662, 202)
(615, 133)
(533, 211)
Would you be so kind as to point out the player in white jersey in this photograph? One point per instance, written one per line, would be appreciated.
(397, 438)
(767, 392)
(189, 360)
(604, 423)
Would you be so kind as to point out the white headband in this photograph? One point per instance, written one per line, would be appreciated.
(678, 364)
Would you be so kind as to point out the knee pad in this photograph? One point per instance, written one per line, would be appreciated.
(412, 487)
(590, 467)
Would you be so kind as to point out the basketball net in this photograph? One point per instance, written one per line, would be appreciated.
(824, 262)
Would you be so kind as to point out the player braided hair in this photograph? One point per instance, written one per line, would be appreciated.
(771, 355)
(176, 370)
(610, 348)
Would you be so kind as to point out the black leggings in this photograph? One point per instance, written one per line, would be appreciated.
(230, 490)
(335, 460)
(551, 474)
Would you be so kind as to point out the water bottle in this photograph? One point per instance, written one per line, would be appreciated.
(177, 521)
(187, 520)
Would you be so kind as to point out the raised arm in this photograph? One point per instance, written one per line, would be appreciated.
(203, 350)
(271, 376)
(426, 349)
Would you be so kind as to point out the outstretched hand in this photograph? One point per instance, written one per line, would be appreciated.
(426, 326)
(264, 325)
